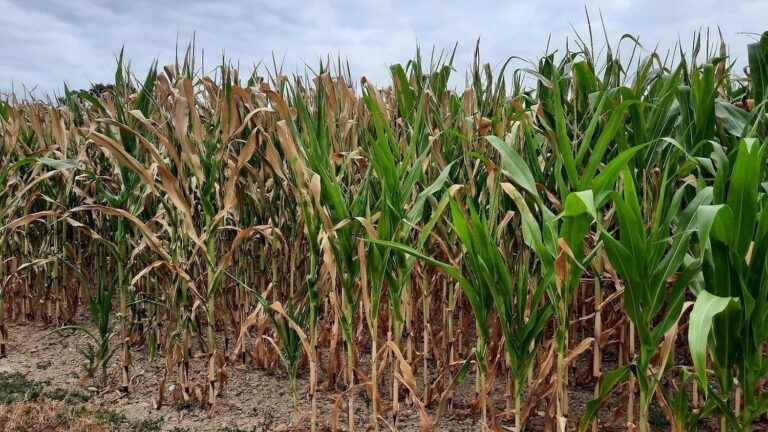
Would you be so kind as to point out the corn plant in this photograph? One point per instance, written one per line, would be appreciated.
(398, 171)
(728, 318)
(6, 193)
(489, 285)
(558, 242)
(99, 350)
(651, 261)
(585, 168)
(311, 164)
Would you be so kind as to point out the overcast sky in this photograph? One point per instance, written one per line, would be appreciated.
(44, 43)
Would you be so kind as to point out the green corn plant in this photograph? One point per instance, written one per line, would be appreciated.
(99, 350)
(686, 419)
(558, 241)
(489, 285)
(757, 54)
(398, 172)
(396, 178)
(561, 266)
(728, 321)
(313, 171)
(128, 196)
(287, 323)
(588, 135)
(290, 352)
(312, 225)
(651, 261)
(697, 105)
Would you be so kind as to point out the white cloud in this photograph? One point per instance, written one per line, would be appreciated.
(47, 42)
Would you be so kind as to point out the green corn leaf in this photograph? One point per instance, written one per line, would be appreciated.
(706, 307)
(514, 164)
(469, 289)
(743, 193)
(564, 146)
(735, 120)
(757, 54)
(607, 384)
(578, 203)
(703, 221)
(418, 206)
(603, 182)
(603, 141)
(532, 232)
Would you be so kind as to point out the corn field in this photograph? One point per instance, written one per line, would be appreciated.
(592, 218)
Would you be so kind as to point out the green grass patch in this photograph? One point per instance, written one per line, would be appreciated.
(68, 395)
(111, 418)
(148, 425)
(15, 387)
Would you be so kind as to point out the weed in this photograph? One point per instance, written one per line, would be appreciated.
(68, 395)
(43, 365)
(15, 387)
(111, 417)
(148, 425)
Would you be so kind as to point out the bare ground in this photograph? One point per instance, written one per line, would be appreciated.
(254, 400)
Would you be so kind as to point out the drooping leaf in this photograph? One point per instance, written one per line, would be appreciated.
(706, 307)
